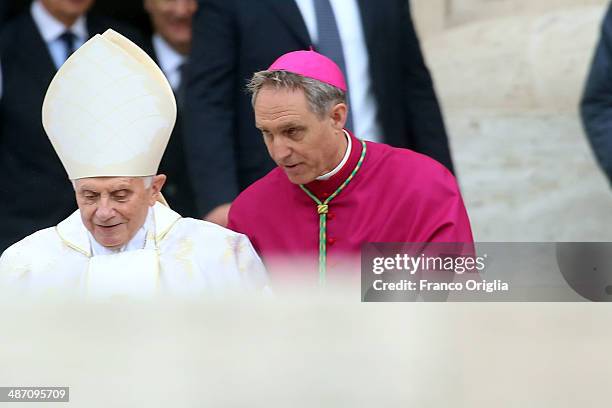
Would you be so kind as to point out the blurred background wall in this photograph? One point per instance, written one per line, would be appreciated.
(509, 74)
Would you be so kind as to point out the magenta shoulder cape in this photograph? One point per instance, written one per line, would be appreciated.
(397, 196)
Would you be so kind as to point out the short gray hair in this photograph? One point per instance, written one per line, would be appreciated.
(148, 181)
(321, 96)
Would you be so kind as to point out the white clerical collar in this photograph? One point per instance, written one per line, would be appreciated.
(51, 28)
(143, 238)
(327, 176)
(168, 58)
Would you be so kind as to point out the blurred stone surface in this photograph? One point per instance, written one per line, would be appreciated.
(460, 12)
(509, 75)
(311, 352)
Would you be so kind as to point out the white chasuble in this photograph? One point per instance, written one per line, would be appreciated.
(185, 257)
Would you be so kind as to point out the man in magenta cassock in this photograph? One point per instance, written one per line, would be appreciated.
(331, 192)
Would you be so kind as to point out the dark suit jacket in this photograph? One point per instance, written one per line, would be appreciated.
(596, 103)
(235, 38)
(34, 188)
(4, 11)
(178, 188)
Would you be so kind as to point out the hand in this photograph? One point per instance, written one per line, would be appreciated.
(219, 215)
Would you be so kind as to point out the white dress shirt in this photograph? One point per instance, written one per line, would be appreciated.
(169, 60)
(362, 101)
(51, 29)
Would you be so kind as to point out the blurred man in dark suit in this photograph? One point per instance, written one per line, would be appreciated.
(596, 103)
(130, 11)
(4, 11)
(170, 46)
(33, 45)
(10, 8)
(374, 42)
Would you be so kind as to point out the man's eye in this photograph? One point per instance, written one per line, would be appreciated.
(293, 133)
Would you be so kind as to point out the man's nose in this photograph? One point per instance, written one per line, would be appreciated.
(280, 150)
(105, 210)
(184, 8)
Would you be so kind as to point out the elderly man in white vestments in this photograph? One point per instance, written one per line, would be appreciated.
(109, 113)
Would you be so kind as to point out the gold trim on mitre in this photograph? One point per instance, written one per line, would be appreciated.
(109, 111)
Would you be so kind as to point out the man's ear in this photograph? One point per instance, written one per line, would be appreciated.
(156, 186)
(338, 115)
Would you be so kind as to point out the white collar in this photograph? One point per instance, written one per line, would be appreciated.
(51, 28)
(144, 237)
(169, 59)
(74, 235)
(327, 176)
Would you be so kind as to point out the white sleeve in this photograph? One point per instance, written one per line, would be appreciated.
(14, 265)
(250, 266)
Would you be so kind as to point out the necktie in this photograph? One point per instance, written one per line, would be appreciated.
(329, 43)
(68, 38)
(180, 91)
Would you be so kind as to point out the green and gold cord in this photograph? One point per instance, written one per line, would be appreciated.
(323, 209)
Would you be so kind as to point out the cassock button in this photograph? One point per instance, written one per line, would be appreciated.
(325, 195)
(331, 240)
(330, 216)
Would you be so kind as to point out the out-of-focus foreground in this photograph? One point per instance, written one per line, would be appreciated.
(311, 352)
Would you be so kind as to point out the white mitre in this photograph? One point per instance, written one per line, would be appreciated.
(109, 110)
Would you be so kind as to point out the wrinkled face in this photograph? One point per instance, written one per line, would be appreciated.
(114, 208)
(304, 145)
(172, 20)
(67, 11)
